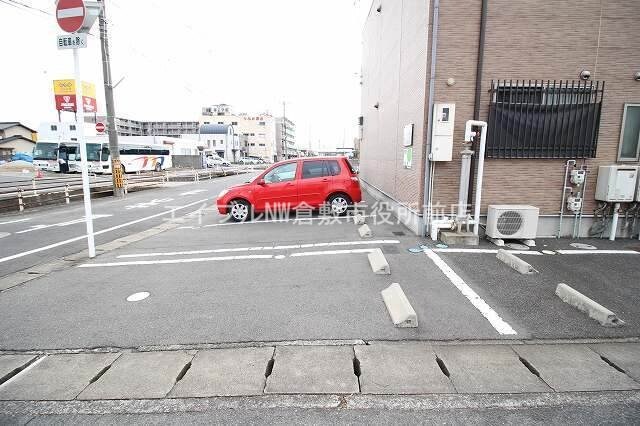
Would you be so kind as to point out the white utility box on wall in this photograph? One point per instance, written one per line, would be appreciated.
(442, 134)
(616, 183)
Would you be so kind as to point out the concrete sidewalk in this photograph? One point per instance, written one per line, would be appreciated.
(377, 368)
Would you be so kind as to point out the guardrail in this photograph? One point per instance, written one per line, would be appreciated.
(21, 194)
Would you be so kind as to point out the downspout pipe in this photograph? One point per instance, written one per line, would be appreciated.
(427, 192)
(478, 95)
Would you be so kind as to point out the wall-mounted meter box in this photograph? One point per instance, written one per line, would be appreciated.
(442, 134)
(616, 184)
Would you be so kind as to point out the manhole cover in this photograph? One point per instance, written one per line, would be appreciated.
(516, 246)
(583, 246)
(398, 233)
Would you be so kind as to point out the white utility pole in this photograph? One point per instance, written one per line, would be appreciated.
(86, 189)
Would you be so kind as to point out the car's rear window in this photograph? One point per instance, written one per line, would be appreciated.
(353, 171)
(334, 167)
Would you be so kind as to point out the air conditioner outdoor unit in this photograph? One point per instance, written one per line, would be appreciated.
(512, 221)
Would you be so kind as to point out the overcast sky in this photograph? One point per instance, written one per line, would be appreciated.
(179, 56)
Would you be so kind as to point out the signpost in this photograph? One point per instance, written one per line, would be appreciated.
(73, 17)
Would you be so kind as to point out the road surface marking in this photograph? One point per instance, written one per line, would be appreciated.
(194, 192)
(136, 297)
(225, 250)
(71, 222)
(170, 261)
(330, 252)
(489, 251)
(104, 231)
(281, 221)
(152, 203)
(492, 316)
(597, 252)
(15, 221)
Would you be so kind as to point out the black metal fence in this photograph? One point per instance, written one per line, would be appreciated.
(544, 119)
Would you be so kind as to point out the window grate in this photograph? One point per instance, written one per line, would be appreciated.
(544, 119)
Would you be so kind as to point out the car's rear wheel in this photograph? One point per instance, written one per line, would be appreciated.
(339, 204)
(239, 210)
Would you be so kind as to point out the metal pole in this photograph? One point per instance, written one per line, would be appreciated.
(614, 222)
(83, 155)
(112, 131)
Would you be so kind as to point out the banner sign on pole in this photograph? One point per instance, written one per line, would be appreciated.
(65, 96)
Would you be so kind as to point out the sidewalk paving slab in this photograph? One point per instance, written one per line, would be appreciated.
(574, 368)
(9, 363)
(313, 369)
(624, 355)
(56, 377)
(488, 369)
(139, 375)
(225, 372)
(401, 368)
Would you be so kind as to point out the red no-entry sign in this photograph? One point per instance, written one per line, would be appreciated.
(70, 14)
(100, 127)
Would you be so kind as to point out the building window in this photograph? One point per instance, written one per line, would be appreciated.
(220, 122)
(261, 144)
(72, 127)
(252, 134)
(234, 123)
(54, 128)
(262, 123)
(629, 149)
(543, 119)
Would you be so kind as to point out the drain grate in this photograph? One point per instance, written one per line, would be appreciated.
(398, 233)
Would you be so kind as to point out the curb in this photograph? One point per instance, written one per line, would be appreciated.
(378, 262)
(400, 310)
(592, 308)
(515, 262)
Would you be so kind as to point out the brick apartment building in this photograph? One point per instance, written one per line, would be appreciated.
(554, 80)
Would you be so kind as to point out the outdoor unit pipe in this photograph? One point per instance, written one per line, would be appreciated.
(465, 172)
(614, 222)
(483, 140)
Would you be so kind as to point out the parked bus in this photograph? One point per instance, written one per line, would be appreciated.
(137, 158)
(62, 157)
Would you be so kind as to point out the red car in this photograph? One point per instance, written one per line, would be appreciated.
(290, 184)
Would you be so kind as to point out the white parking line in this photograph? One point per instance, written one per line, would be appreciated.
(489, 251)
(15, 221)
(492, 316)
(254, 222)
(259, 248)
(104, 231)
(597, 252)
(170, 261)
(330, 252)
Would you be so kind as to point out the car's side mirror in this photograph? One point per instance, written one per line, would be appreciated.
(261, 182)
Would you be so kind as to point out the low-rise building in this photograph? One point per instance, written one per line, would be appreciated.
(285, 138)
(258, 131)
(15, 137)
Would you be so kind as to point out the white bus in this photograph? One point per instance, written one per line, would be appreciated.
(64, 157)
(136, 158)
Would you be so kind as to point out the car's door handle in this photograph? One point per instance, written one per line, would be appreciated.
(325, 180)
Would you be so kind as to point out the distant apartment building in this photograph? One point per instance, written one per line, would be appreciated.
(15, 137)
(558, 83)
(128, 127)
(257, 132)
(285, 138)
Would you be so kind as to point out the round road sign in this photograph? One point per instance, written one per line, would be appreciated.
(70, 14)
(100, 127)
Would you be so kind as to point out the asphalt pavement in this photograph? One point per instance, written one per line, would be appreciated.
(47, 233)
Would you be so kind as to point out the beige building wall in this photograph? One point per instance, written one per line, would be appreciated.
(529, 39)
(261, 138)
(394, 78)
(17, 131)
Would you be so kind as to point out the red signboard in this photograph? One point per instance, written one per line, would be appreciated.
(100, 127)
(70, 14)
(66, 102)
